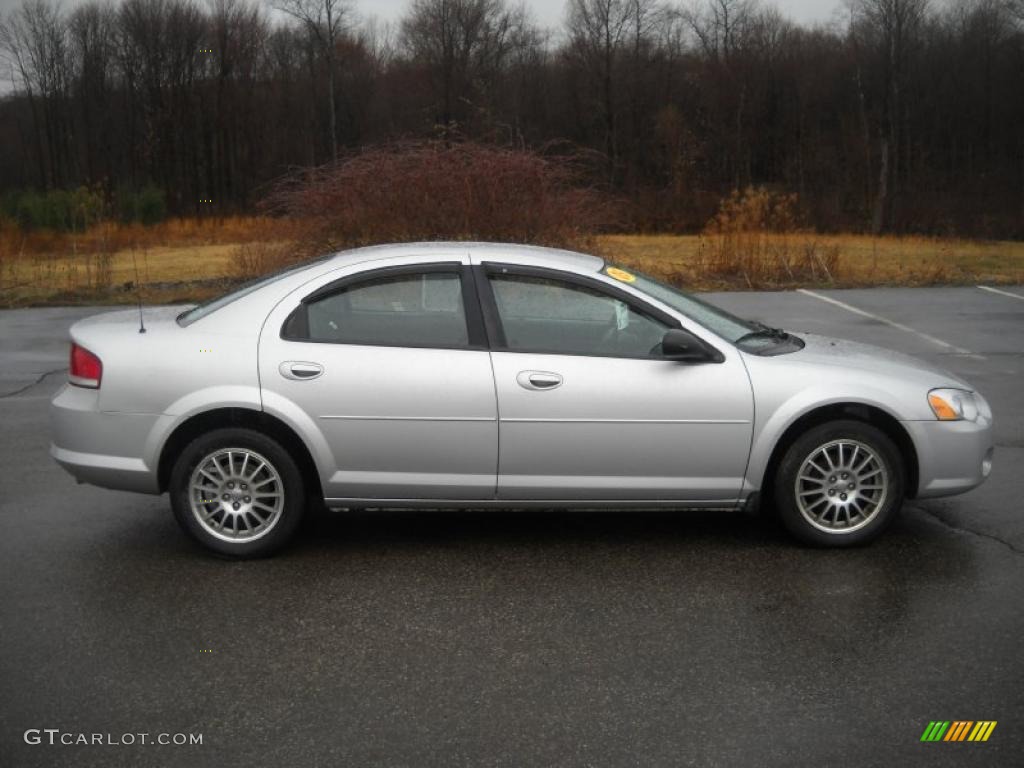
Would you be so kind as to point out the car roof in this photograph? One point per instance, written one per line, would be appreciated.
(276, 286)
(482, 251)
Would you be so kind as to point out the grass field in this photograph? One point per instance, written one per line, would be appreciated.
(189, 261)
(178, 260)
(859, 260)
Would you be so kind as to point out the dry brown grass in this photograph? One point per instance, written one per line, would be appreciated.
(110, 277)
(109, 237)
(857, 260)
(261, 258)
(757, 240)
(179, 258)
(207, 259)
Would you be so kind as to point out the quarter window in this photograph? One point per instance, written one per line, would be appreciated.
(540, 314)
(409, 310)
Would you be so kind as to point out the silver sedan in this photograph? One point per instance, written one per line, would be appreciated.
(484, 375)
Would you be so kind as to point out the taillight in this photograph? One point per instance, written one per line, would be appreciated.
(86, 368)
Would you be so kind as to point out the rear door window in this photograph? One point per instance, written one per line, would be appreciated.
(423, 309)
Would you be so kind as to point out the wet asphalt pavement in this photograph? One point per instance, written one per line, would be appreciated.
(518, 639)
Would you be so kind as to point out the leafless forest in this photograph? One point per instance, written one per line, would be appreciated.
(902, 116)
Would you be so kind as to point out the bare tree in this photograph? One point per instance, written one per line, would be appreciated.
(723, 29)
(526, 85)
(325, 21)
(239, 33)
(889, 29)
(35, 39)
(378, 38)
(720, 25)
(92, 29)
(906, 119)
(459, 41)
(597, 31)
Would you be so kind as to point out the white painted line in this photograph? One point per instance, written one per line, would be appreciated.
(887, 321)
(1001, 293)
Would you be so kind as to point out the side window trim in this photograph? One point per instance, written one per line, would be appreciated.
(341, 283)
(297, 320)
(492, 318)
(489, 308)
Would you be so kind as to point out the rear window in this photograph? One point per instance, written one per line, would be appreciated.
(419, 309)
(189, 316)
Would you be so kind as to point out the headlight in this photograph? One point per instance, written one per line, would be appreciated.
(953, 405)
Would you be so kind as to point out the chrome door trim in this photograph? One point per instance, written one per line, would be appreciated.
(408, 418)
(341, 502)
(626, 421)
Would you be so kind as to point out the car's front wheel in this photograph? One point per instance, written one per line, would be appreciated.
(839, 484)
(237, 492)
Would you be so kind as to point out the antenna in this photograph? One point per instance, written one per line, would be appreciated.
(142, 325)
(138, 292)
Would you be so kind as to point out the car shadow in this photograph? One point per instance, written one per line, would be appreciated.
(356, 529)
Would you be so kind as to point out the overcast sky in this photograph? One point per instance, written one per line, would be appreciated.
(549, 13)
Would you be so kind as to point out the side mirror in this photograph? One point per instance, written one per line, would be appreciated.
(681, 345)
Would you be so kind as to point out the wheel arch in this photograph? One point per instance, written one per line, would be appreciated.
(869, 414)
(249, 418)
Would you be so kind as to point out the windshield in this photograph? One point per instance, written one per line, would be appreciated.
(727, 326)
(189, 316)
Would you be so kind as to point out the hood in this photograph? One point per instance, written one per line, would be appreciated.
(823, 350)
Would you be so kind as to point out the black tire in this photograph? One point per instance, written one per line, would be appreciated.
(829, 531)
(290, 479)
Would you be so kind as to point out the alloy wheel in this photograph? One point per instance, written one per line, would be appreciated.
(841, 486)
(236, 494)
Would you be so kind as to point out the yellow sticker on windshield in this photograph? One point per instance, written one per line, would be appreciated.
(620, 274)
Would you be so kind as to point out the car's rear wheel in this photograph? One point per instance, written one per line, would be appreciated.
(237, 492)
(839, 484)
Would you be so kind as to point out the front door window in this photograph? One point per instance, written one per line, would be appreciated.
(540, 314)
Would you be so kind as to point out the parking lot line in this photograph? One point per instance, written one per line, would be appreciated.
(887, 321)
(1001, 293)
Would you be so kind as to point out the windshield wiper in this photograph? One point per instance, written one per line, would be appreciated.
(764, 332)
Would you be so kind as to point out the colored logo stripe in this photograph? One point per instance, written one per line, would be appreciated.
(958, 730)
(935, 730)
(982, 730)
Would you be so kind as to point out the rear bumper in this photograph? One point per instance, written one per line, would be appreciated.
(118, 472)
(101, 448)
(952, 456)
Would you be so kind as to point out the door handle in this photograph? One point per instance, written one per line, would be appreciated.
(539, 380)
(299, 371)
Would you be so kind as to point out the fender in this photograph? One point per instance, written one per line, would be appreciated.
(192, 404)
(768, 432)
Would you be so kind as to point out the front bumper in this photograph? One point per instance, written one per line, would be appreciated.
(99, 447)
(952, 456)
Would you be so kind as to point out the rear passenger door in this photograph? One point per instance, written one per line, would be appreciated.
(390, 367)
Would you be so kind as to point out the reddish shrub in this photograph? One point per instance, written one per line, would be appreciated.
(436, 191)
